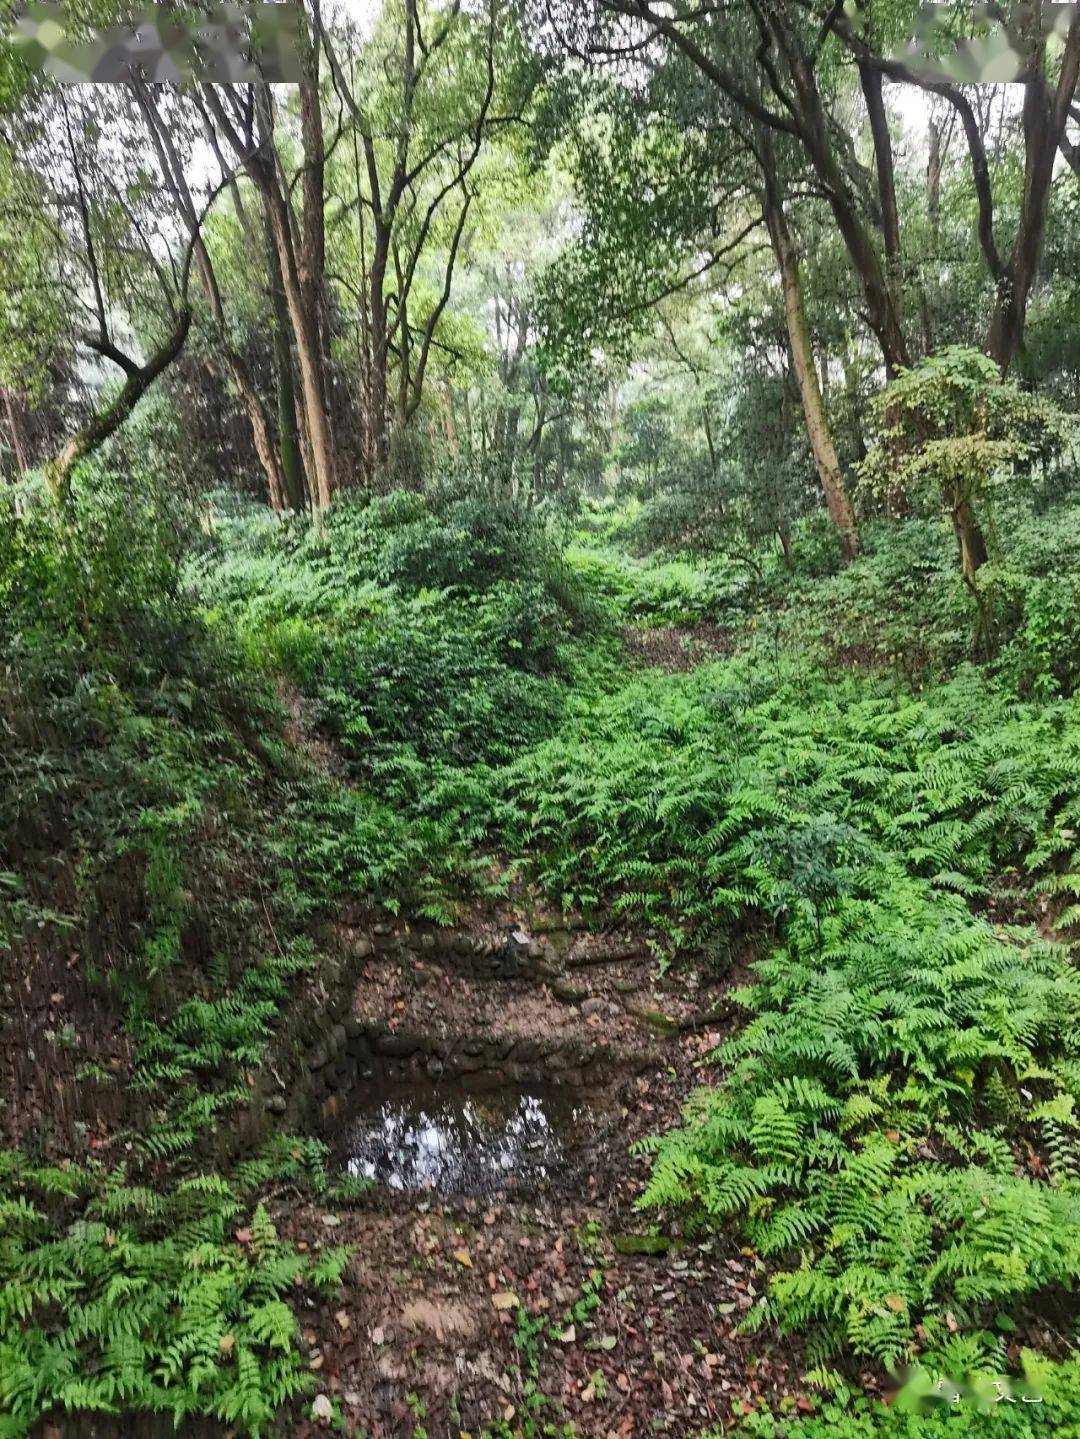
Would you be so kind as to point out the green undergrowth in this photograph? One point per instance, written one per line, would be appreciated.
(1043, 1401)
(153, 931)
(892, 830)
(896, 1131)
(177, 1302)
(420, 631)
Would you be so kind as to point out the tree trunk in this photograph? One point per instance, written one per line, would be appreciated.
(873, 93)
(933, 215)
(783, 534)
(969, 539)
(378, 396)
(231, 364)
(262, 435)
(301, 303)
(813, 131)
(837, 500)
(451, 420)
(106, 422)
(290, 452)
(13, 430)
(1044, 120)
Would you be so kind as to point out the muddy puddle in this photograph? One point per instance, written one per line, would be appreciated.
(437, 1137)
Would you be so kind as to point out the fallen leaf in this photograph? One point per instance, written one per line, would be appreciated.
(462, 1257)
(225, 1343)
(343, 1319)
(321, 1407)
(331, 1221)
(568, 1335)
(243, 1236)
(505, 1299)
(895, 1303)
(378, 1335)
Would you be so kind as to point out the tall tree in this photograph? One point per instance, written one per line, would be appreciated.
(434, 86)
(245, 118)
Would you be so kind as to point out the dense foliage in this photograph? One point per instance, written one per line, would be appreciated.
(150, 935)
(600, 454)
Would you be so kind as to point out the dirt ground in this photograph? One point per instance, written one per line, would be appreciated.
(522, 1311)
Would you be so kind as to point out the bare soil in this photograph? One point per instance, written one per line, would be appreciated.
(430, 1336)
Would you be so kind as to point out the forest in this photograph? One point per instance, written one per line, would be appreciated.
(540, 720)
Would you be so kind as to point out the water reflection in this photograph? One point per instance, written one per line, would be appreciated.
(410, 1137)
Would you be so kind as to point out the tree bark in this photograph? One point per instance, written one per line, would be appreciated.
(302, 305)
(13, 430)
(1044, 120)
(969, 539)
(300, 300)
(873, 93)
(289, 448)
(172, 173)
(837, 499)
(106, 422)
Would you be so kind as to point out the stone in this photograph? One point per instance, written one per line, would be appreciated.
(276, 1104)
(317, 1057)
(397, 1046)
(435, 1067)
(465, 1063)
(593, 1006)
(382, 928)
(361, 947)
(568, 993)
(354, 1028)
(525, 1051)
(463, 945)
(337, 1038)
